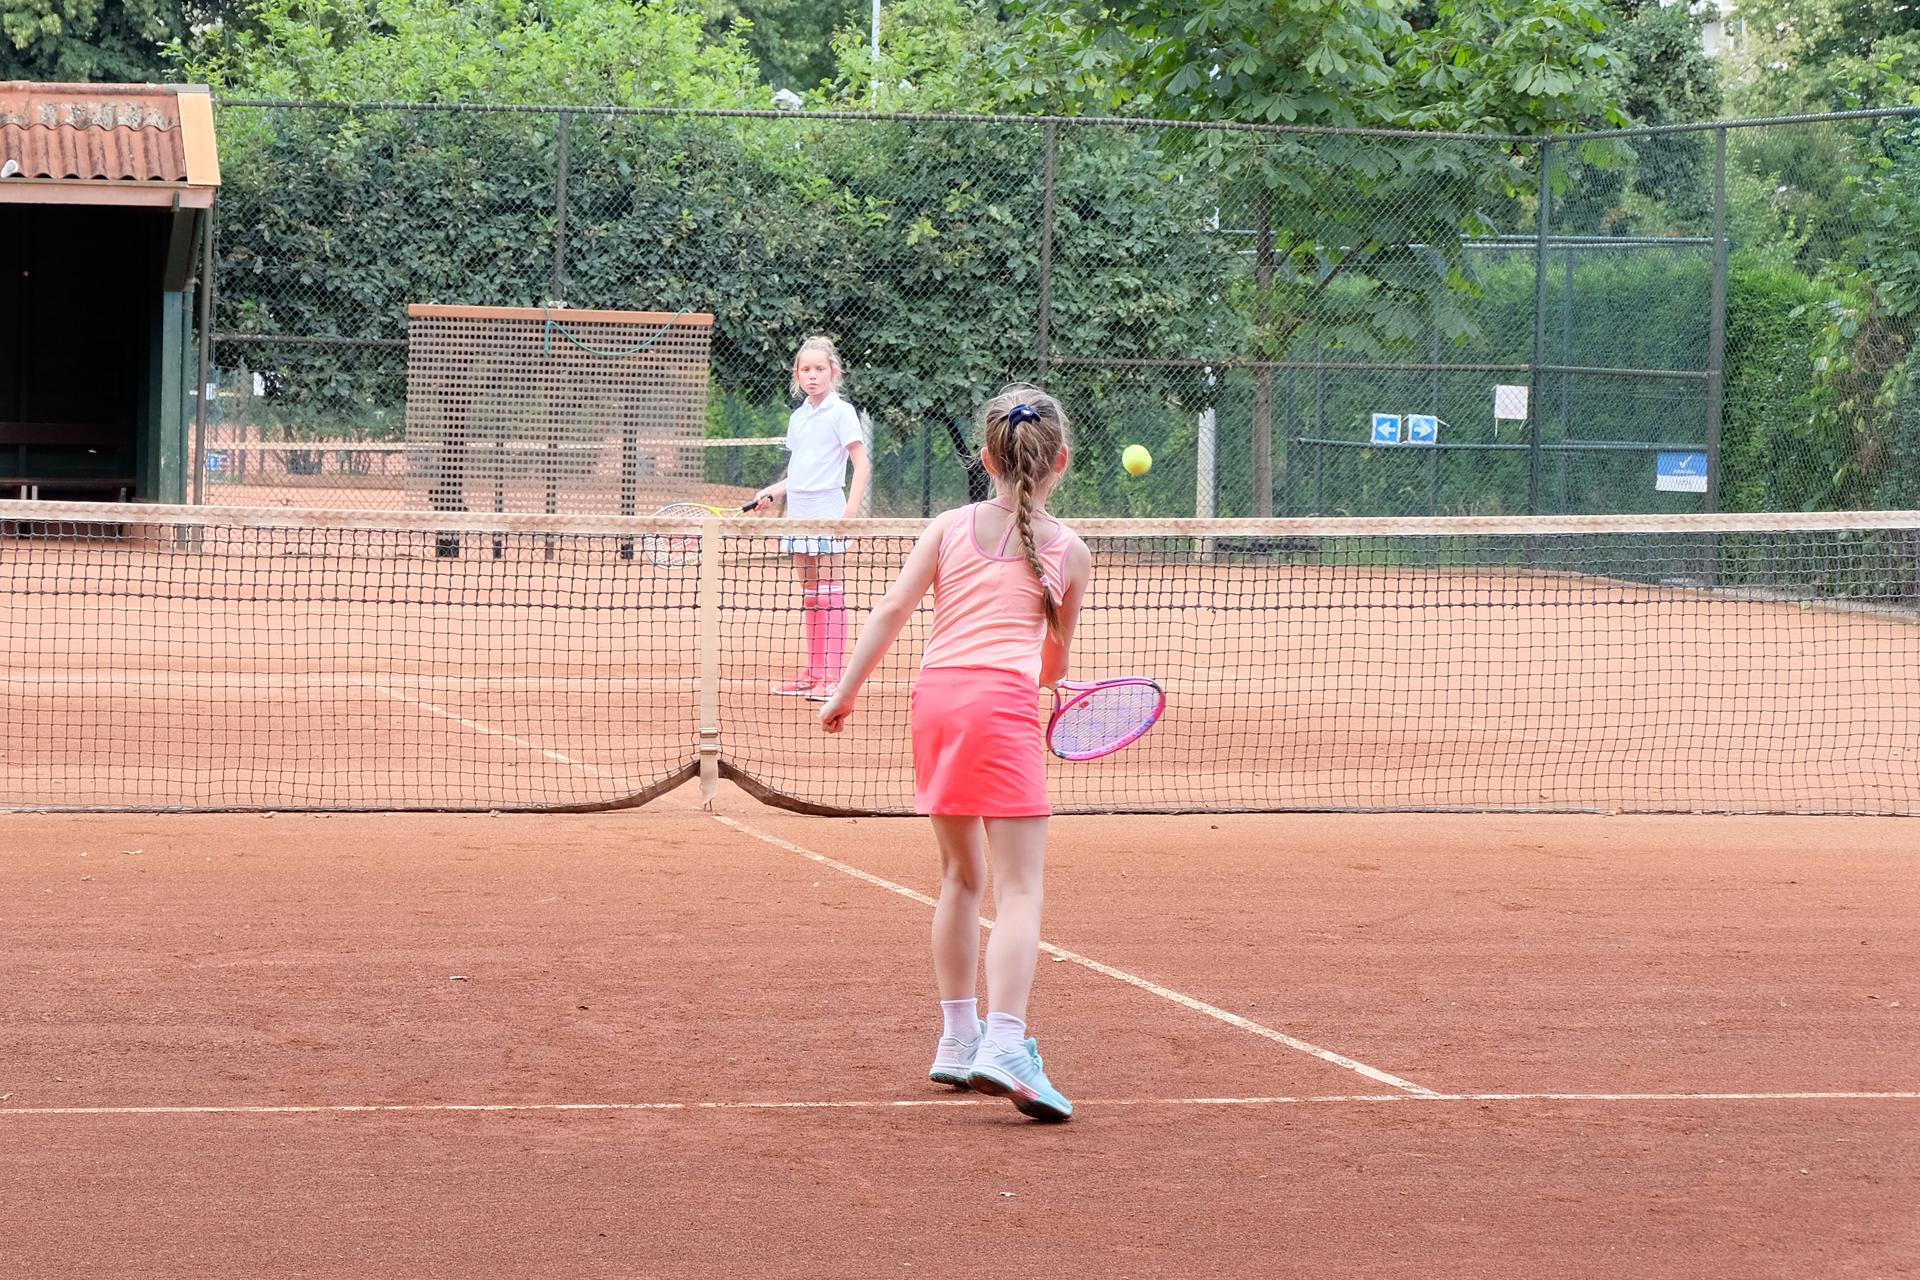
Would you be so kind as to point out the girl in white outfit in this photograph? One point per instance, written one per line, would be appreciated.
(823, 436)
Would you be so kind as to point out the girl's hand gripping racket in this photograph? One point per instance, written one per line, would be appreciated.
(1096, 718)
(678, 550)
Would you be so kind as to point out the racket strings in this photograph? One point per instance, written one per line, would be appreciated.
(679, 550)
(1103, 718)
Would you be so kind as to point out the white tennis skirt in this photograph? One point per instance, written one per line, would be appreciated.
(815, 504)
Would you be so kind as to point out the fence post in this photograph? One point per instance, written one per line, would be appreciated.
(1042, 336)
(1566, 379)
(873, 476)
(1292, 457)
(563, 155)
(201, 413)
(1203, 469)
(1535, 384)
(1320, 428)
(1263, 269)
(1717, 320)
(926, 468)
(1433, 407)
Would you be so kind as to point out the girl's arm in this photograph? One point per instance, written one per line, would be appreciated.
(884, 623)
(862, 474)
(1054, 652)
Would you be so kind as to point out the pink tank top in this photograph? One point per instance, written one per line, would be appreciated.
(986, 605)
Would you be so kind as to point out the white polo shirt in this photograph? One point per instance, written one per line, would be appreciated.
(817, 439)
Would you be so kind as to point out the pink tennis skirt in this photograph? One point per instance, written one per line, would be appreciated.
(977, 745)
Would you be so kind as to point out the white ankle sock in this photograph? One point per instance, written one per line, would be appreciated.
(962, 1018)
(1006, 1030)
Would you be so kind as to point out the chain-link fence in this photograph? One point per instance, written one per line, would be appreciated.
(1292, 322)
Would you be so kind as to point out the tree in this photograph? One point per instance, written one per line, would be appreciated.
(791, 40)
(1844, 192)
(91, 40)
(1865, 360)
(1662, 75)
(555, 52)
(1356, 241)
(1825, 55)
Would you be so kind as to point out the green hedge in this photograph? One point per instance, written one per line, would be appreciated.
(917, 247)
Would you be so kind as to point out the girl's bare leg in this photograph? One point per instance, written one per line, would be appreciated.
(1018, 849)
(956, 917)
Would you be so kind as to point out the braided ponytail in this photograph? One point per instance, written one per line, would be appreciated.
(1025, 430)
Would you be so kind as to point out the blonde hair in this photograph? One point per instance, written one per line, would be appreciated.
(1022, 454)
(824, 346)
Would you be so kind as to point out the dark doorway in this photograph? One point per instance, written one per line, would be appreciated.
(78, 289)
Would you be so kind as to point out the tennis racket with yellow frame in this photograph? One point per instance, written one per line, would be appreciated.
(678, 550)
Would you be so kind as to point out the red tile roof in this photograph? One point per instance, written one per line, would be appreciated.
(110, 132)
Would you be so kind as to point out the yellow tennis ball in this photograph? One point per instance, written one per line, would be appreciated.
(1136, 460)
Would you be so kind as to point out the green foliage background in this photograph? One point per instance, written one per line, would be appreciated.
(917, 245)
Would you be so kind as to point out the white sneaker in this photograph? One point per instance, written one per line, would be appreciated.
(952, 1059)
(1013, 1072)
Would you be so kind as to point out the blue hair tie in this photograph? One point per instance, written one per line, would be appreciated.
(1021, 413)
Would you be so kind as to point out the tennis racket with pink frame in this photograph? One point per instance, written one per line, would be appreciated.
(1098, 717)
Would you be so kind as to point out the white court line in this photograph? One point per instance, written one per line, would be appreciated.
(477, 727)
(882, 1104)
(1185, 1001)
(1828, 1096)
(112, 677)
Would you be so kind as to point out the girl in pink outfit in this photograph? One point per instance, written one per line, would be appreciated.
(1008, 580)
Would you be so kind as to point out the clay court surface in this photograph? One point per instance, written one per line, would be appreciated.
(675, 1043)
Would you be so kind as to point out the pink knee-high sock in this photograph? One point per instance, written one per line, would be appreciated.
(833, 631)
(811, 619)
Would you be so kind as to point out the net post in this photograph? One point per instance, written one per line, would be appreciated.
(709, 638)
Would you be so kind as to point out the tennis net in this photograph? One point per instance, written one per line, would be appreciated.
(219, 658)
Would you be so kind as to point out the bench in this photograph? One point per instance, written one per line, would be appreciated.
(28, 482)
